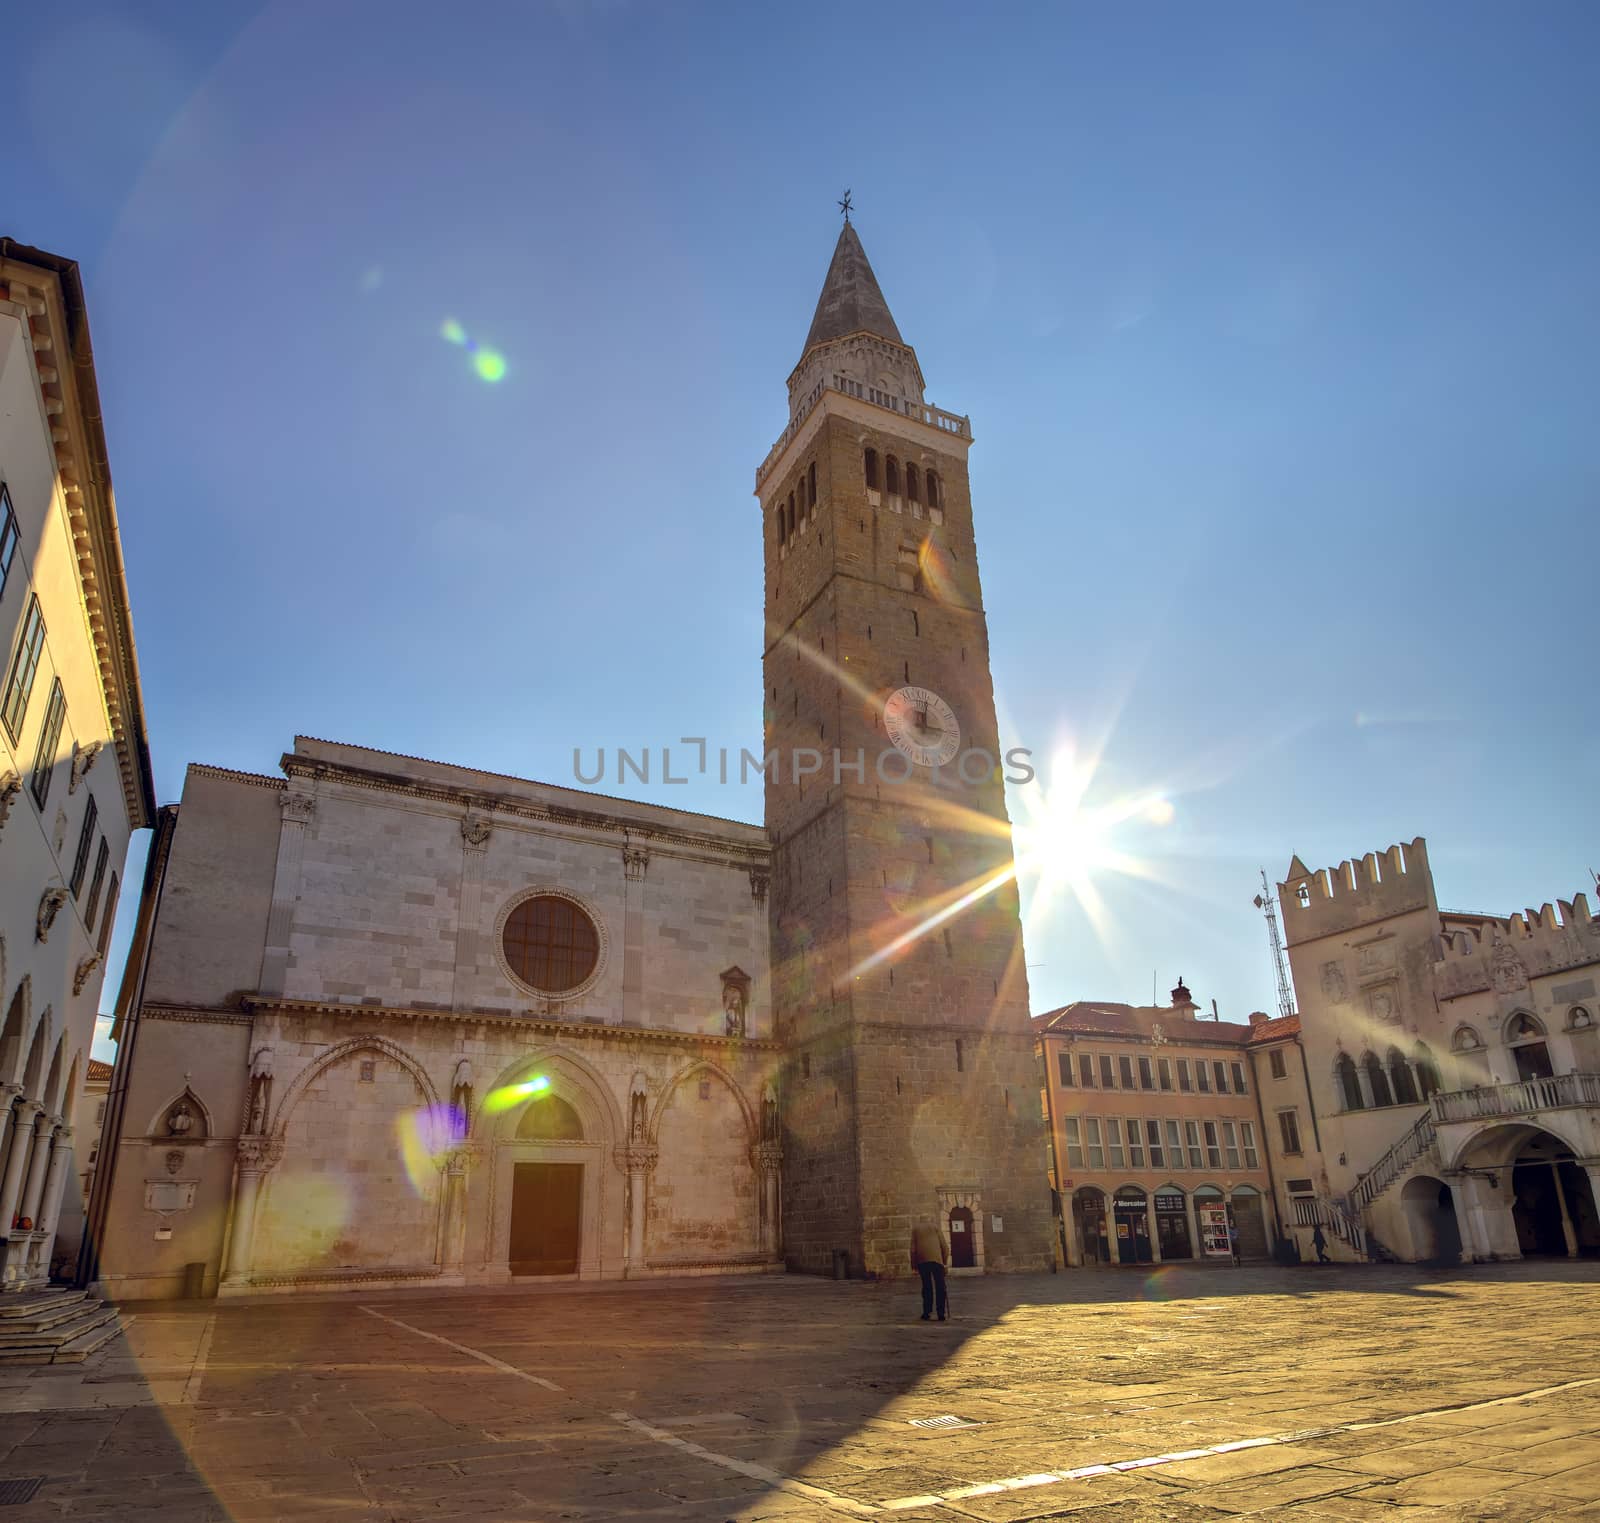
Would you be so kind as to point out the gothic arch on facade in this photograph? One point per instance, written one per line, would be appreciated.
(704, 1067)
(338, 1053)
(33, 1072)
(571, 1079)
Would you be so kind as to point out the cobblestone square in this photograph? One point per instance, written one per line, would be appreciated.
(1182, 1394)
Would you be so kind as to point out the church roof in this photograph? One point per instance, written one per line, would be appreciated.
(851, 300)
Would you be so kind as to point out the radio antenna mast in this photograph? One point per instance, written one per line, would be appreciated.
(1268, 907)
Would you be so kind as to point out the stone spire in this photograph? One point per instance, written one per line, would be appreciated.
(851, 301)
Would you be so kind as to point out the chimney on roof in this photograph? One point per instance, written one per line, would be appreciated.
(1182, 999)
(1259, 1017)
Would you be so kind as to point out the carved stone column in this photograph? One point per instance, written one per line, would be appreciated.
(769, 1160)
(22, 1137)
(298, 810)
(256, 1156)
(50, 1207)
(458, 1164)
(33, 1191)
(635, 861)
(761, 933)
(475, 832)
(638, 1162)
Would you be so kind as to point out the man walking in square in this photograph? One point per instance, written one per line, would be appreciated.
(929, 1255)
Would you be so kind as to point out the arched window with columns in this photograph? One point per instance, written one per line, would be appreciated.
(1401, 1080)
(1377, 1080)
(1349, 1085)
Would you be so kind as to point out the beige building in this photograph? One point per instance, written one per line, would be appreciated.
(74, 767)
(1452, 1067)
(1156, 1143)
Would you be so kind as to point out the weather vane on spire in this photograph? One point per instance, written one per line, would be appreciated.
(844, 205)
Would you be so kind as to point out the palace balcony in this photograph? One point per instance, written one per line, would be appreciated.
(1493, 1101)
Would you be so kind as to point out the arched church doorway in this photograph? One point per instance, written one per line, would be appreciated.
(1089, 1220)
(963, 1243)
(1430, 1211)
(546, 1195)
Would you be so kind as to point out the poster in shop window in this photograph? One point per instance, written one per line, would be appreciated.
(1214, 1229)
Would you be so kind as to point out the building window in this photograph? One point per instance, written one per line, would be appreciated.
(1275, 1062)
(1237, 1070)
(931, 481)
(1221, 1071)
(913, 494)
(1074, 1143)
(1289, 1130)
(1377, 1080)
(1400, 1079)
(109, 918)
(869, 464)
(1086, 1070)
(1108, 1078)
(44, 758)
(1147, 1077)
(1213, 1151)
(960, 1057)
(891, 475)
(791, 515)
(1125, 1071)
(1097, 1154)
(96, 883)
(1202, 1076)
(1174, 1146)
(1427, 1071)
(1247, 1135)
(8, 538)
(24, 668)
(1185, 1083)
(1191, 1135)
(1164, 1072)
(811, 485)
(80, 863)
(1064, 1068)
(1135, 1145)
(1114, 1141)
(783, 527)
(1344, 1072)
(1152, 1137)
(1230, 1141)
(550, 944)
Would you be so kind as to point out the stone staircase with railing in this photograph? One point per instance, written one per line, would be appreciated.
(1411, 1146)
(54, 1327)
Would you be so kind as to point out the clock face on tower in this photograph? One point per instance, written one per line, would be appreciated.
(922, 725)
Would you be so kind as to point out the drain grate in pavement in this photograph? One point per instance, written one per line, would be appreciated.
(943, 1424)
(16, 1490)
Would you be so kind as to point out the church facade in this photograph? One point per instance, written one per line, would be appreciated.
(391, 1021)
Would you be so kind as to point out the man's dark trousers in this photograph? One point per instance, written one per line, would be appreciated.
(932, 1280)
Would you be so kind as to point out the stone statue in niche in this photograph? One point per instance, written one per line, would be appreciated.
(769, 1114)
(638, 1117)
(260, 1089)
(735, 1001)
(461, 1092)
(180, 1120)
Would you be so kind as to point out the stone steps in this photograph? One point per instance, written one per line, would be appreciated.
(58, 1328)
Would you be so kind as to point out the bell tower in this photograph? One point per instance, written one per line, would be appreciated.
(897, 967)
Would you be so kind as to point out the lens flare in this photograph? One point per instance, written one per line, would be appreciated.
(426, 1135)
(509, 1095)
(487, 363)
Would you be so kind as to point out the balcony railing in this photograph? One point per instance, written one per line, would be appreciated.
(919, 412)
(1560, 1092)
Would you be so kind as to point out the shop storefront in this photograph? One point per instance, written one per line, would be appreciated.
(1211, 1212)
(1132, 1221)
(1172, 1225)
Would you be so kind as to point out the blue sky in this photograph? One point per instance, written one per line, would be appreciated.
(1277, 324)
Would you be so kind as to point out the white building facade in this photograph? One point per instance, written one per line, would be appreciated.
(74, 765)
(404, 1022)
